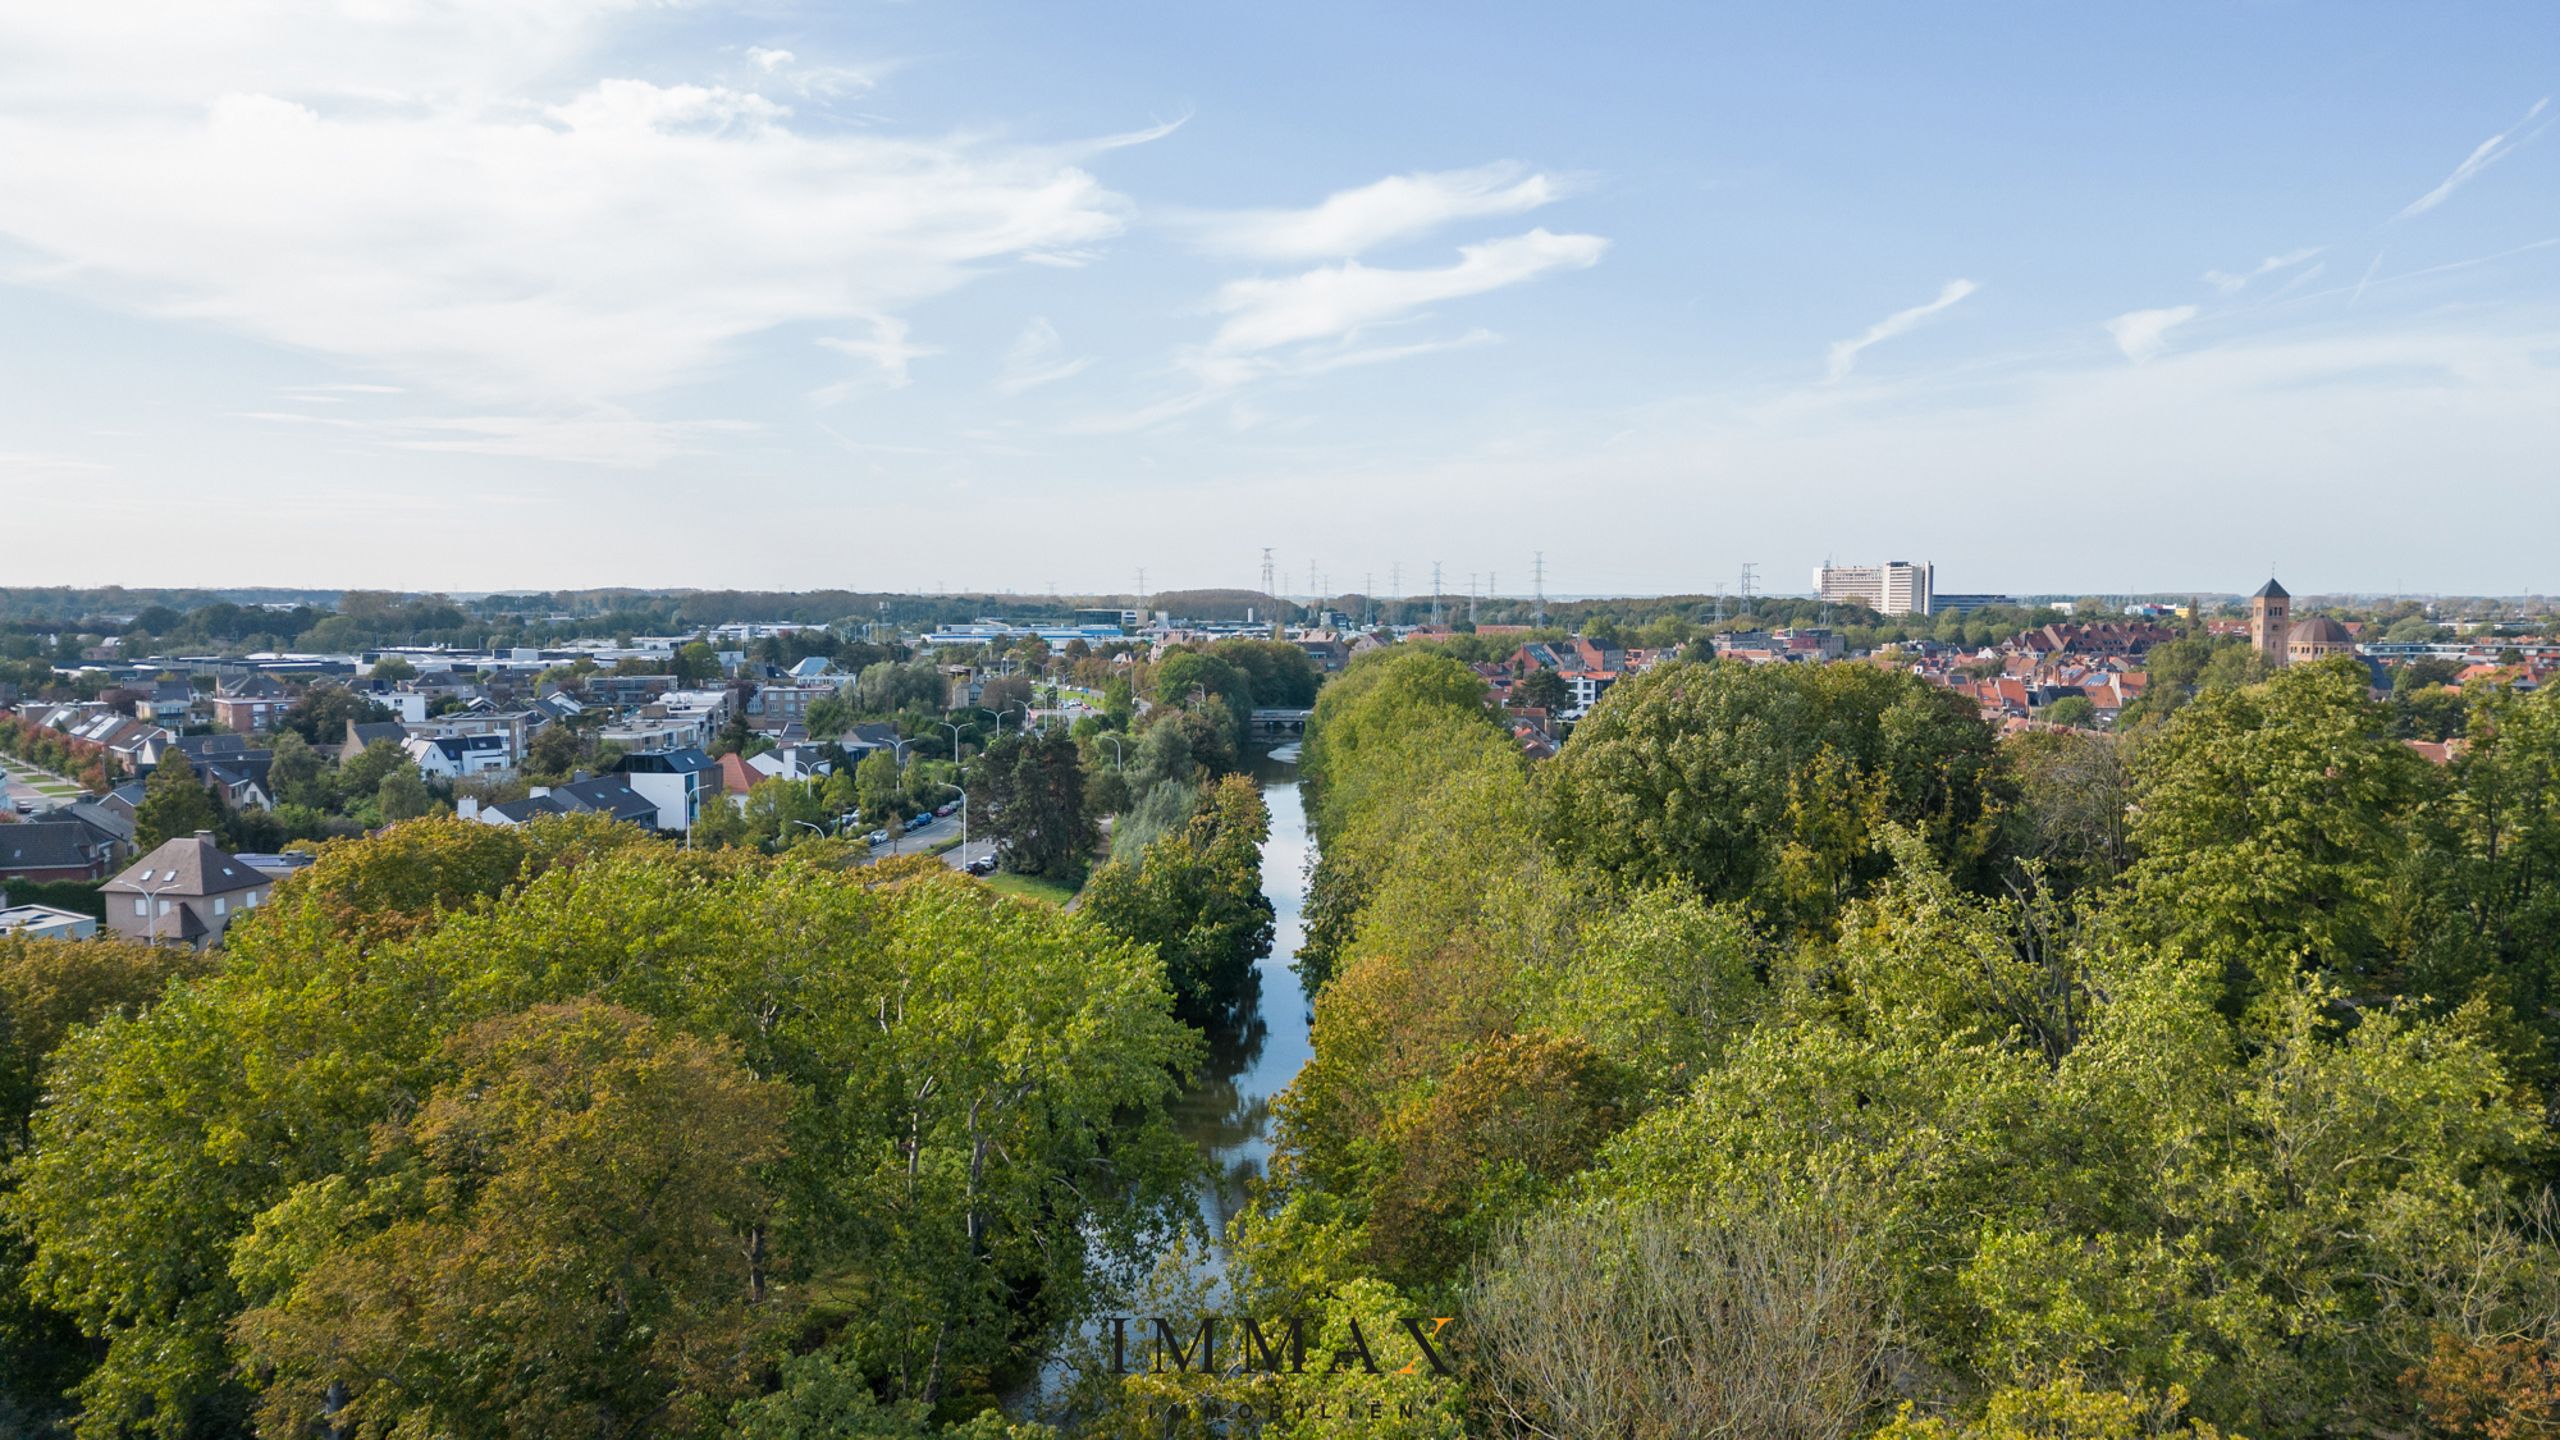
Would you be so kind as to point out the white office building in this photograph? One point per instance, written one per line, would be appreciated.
(1897, 587)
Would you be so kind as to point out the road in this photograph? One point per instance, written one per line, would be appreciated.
(21, 781)
(944, 828)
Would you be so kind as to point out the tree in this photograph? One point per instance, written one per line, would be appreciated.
(363, 774)
(1771, 783)
(696, 663)
(298, 775)
(391, 669)
(1195, 894)
(561, 1244)
(323, 712)
(1541, 689)
(2076, 711)
(403, 795)
(174, 804)
(876, 785)
(1029, 793)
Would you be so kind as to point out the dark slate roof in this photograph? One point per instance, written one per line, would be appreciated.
(38, 845)
(2320, 630)
(683, 761)
(2271, 591)
(192, 866)
(365, 733)
(457, 746)
(607, 795)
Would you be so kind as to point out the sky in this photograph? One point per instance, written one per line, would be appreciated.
(480, 294)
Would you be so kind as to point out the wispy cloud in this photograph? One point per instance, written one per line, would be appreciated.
(603, 435)
(1339, 299)
(2230, 283)
(2143, 334)
(386, 184)
(887, 347)
(1036, 359)
(1400, 207)
(1219, 378)
(2492, 150)
(1844, 353)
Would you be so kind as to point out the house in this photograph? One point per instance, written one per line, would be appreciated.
(251, 704)
(226, 764)
(452, 757)
(608, 795)
(676, 781)
(362, 736)
(186, 891)
(812, 670)
(44, 922)
(50, 849)
(773, 705)
(170, 702)
(403, 703)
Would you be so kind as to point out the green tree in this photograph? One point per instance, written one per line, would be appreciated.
(1029, 795)
(321, 715)
(403, 795)
(561, 1241)
(696, 663)
(876, 783)
(1771, 783)
(1196, 895)
(1541, 689)
(298, 775)
(363, 774)
(174, 804)
(2076, 711)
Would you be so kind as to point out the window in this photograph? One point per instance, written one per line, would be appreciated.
(221, 906)
(141, 906)
(164, 907)
(253, 900)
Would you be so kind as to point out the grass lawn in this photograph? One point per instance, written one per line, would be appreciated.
(1031, 887)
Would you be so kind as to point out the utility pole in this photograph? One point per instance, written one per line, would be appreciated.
(1540, 568)
(1271, 592)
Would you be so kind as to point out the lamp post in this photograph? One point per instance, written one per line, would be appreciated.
(1115, 749)
(955, 739)
(151, 899)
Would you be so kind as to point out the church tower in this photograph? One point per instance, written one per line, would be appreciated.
(2270, 621)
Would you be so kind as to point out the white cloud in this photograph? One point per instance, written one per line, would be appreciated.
(1844, 353)
(2490, 151)
(1036, 359)
(2232, 284)
(1400, 207)
(2143, 334)
(767, 60)
(373, 182)
(1338, 299)
(887, 347)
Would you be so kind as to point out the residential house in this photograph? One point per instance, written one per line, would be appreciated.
(676, 781)
(187, 891)
(171, 702)
(44, 922)
(251, 704)
(49, 849)
(363, 735)
(454, 757)
(608, 795)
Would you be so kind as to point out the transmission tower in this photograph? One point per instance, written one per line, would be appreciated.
(1435, 594)
(1540, 569)
(1471, 597)
(1395, 592)
(1269, 590)
(1747, 568)
(1142, 594)
(1368, 598)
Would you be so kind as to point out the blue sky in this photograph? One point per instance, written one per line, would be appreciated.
(501, 293)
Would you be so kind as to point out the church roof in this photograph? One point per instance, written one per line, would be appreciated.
(2271, 591)
(2319, 630)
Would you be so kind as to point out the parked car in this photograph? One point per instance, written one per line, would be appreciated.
(951, 809)
(983, 865)
(877, 837)
(919, 822)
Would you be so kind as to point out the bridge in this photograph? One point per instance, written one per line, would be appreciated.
(1275, 723)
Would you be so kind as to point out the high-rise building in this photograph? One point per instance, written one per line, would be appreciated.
(1897, 587)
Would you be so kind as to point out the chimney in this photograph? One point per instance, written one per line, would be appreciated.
(205, 835)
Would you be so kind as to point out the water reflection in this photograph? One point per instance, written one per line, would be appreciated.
(1257, 1050)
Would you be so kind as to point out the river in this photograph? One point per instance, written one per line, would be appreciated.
(1254, 1055)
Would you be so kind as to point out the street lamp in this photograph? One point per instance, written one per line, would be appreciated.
(955, 739)
(1115, 749)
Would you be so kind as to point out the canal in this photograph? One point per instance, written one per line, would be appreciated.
(1253, 1055)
